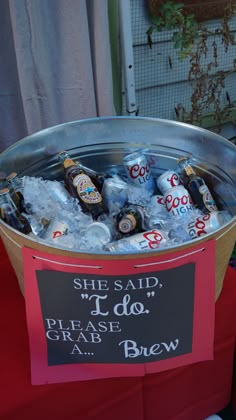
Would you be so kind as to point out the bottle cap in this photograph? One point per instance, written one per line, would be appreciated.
(62, 151)
(11, 176)
(183, 159)
(4, 191)
(63, 155)
(127, 224)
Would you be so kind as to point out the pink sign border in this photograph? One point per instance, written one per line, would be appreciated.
(203, 320)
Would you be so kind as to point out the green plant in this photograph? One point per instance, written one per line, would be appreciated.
(172, 17)
(191, 41)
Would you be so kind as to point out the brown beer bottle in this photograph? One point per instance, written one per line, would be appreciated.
(14, 185)
(130, 220)
(97, 178)
(80, 186)
(11, 215)
(196, 187)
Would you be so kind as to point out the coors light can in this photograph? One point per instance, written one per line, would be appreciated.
(114, 194)
(145, 241)
(138, 171)
(167, 180)
(178, 201)
(205, 224)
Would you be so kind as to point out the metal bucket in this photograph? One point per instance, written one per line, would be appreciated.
(101, 143)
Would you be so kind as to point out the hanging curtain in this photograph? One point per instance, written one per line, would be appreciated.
(55, 64)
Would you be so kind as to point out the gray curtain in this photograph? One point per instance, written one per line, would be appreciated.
(55, 64)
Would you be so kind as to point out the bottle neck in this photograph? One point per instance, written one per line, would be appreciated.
(12, 178)
(68, 162)
(184, 164)
(189, 170)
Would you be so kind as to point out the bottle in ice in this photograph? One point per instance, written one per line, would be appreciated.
(80, 186)
(97, 178)
(196, 186)
(11, 215)
(130, 219)
(15, 188)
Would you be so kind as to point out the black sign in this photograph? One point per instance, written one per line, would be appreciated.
(136, 318)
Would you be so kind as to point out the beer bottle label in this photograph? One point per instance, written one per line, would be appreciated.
(207, 198)
(86, 189)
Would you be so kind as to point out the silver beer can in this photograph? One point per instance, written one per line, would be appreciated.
(167, 180)
(145, 241)
(178, 201)
(138, 171)
(55, 230)
(205, 224)
(98, 233)
(114, 194)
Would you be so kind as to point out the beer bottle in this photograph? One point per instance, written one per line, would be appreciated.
(11, 215)
(196, 186)
(15, 186)
(80, 186)
(130, 219)
(97, 178)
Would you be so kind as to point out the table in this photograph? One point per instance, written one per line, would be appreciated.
(188, 393)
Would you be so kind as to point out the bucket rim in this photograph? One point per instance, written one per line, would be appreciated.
(116, 118)
(229, 224)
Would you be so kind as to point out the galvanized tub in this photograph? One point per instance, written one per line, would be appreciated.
(101, 143)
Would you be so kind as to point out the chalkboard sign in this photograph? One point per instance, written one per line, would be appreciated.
(91, 318)
(117, 319)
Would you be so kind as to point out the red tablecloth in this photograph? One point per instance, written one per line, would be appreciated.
(190, 393)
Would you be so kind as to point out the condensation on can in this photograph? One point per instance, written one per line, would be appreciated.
(205, 224)
(167, 180)
(178, 201)
(114, 193)
(138, 171)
